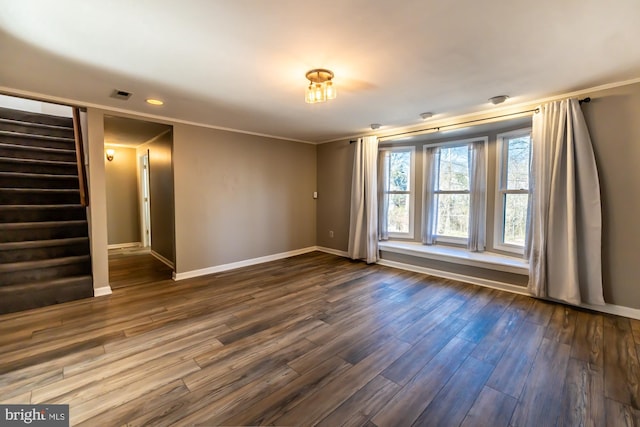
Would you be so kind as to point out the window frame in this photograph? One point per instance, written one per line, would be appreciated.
(501, 191)
(412, 190)
(439, 238)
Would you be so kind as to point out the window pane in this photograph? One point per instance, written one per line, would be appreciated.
(518, 156)
(453, 215)
(398, 213)
(399, 170)
(453, 171)
(515, 218)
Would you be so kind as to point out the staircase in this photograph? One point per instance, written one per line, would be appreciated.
(44, 243)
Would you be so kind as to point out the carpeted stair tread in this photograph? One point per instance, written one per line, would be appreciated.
(26, 296)
(41, 243)
(42, 224)
(27, 116)
(38, 196)
(37, 162)
(40, 213)
(43, 230)
(18, 126)
(36, 153)
(47, 263)
(36, 136)
(37, 180)
(33, 250)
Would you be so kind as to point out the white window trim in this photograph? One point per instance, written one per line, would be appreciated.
(498, 217)
(450, 144)
(412, 192)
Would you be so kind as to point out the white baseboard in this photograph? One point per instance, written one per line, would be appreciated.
(332, 251)
(240, 264)
(162, 259)
(617, 310)
(104, 290)
(125, 245)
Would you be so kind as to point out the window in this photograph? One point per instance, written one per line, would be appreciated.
(398, 190)
(513, 191)
(452, 193)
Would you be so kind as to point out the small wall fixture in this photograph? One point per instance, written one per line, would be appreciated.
(320, 87)
(498, 99)
(110, 153)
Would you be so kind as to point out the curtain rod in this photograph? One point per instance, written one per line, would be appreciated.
(437, 128)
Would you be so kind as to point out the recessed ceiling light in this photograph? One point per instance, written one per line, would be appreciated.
(153, 101)
(426, 116)
(498, 99)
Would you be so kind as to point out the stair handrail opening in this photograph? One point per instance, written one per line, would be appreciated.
(82, 172)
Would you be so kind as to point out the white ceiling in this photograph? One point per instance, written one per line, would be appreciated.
(240, 64)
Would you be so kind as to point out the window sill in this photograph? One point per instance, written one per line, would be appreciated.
(488, 260)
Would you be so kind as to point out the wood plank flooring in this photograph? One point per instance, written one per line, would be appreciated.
(319, 340)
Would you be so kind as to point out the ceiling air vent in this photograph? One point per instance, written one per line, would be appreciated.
(121, 94)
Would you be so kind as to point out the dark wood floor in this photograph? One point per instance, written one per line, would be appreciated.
(317, 339)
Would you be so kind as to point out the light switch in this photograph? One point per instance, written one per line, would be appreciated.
(315, 194)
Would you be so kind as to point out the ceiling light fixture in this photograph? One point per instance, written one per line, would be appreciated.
(426, 116)
(498, 99)
(375, 126)
(153, 101)
(320, 87)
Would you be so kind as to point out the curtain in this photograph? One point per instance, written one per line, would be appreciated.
(363, 224)
(383, 195)
(565, 260)
(478, 196)
(429, 205)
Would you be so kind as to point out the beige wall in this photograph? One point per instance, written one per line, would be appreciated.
(161, 194)
(97, 198)
(240, 197)
(123, 212)
(613, 117)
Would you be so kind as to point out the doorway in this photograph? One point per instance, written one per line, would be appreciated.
(140, 197)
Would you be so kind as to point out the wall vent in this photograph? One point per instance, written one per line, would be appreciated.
(121, 94)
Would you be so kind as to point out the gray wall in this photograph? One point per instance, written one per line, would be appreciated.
(161, 192)
(335, 161)
(240, 196)
(613, 117)
(123, 213)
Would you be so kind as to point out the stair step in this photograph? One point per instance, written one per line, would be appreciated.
(11, 164)
(26, 116)
(37, 180)
(10, 125)
(47, 292)
(19, 138)
(40, 213)
(45, 230)
(11, 252)
(35, 271)
(38, 196)
(36, 153)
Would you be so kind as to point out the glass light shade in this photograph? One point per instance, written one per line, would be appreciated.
(310, 95)
(110, 153)
(320, 93)
(331, 90)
